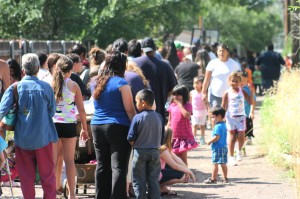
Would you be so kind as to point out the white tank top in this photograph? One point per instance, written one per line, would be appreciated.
(65, 109)
(235, 103)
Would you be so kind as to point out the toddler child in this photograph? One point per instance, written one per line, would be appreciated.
(233, 103)
(218, 145)
(257, 80)
(180, 111)
(200, 108)
(145, 135)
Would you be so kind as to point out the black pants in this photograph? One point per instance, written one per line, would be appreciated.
(112, 153)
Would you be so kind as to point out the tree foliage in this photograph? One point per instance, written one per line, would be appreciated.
(239, 21)
(243, 24)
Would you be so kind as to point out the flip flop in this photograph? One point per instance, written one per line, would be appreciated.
(169, 193)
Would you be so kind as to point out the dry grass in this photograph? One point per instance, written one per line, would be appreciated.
(281, 123)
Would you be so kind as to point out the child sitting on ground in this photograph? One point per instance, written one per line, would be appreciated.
(218, 145)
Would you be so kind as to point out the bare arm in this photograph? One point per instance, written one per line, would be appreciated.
(184, 112)
(225, 101)
(213, 139)
(127, 101)
(206, 84)
(81, 111)
(5, 74)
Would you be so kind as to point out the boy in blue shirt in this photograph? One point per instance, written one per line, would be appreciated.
(145, 135)
(219, 145)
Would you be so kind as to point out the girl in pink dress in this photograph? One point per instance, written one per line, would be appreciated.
(180, 111)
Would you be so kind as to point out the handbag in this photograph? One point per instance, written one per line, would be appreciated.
(10, 119)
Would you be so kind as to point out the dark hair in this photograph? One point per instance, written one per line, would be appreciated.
(224, 46)
(120, 45)
(64, 64)
(74, 57)
(78, 49)
(202, 58)
(270, 47)
(134, 48)
(115, 64)
(15, 66)
(200, 78)
(97, 56)
(243, 73)
(146, 95)
(172, 56)
(218, 110)
(183, 91)
(42, 57)
(51, 61)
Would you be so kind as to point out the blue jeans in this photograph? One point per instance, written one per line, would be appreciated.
(112, 153)
(146, 170)
(214, 100)
(267, 83)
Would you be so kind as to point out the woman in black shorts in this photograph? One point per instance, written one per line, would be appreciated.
(173, 169)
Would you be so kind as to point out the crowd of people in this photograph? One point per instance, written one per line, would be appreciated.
(149, 104)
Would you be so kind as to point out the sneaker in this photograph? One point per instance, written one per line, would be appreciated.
(202, 141)
(13, 184)
(231, 161)
(208, 126)
(210, 181)
(239, 156)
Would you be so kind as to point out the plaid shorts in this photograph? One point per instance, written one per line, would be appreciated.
(219, 156)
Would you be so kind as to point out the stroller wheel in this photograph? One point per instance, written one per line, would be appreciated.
(66, 189)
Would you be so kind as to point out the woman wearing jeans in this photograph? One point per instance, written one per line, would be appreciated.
(114, 111)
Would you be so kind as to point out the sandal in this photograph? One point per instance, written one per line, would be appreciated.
(225, 181)
(59, 191)
(169, 193)
(210, 181)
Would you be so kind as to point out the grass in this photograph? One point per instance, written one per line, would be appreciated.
(281, 123)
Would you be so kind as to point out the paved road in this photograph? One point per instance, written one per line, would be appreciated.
(254, 177)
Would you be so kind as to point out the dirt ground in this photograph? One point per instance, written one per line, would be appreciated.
(254, 177)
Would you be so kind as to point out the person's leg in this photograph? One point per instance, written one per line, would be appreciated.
(195, 128)
(45, 163)
(69, 145)
(58, 162)
(139, 173)
(241, 139)
(183, 157)
(120, 152)
(224, 171)
(214, 174)
(26, 165)
(103, 169)
(129, 175)
(153, 171)
(202, 129)
(231, 143)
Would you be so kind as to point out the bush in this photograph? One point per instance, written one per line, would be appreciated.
(280, 122)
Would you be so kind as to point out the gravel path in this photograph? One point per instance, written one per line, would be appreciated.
(254, 177)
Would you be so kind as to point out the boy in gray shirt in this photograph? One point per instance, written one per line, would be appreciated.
(145, 135)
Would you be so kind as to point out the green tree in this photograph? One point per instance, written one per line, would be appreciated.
(238, 24)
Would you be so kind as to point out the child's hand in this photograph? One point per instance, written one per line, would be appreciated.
(252, 116)
(84, 135)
